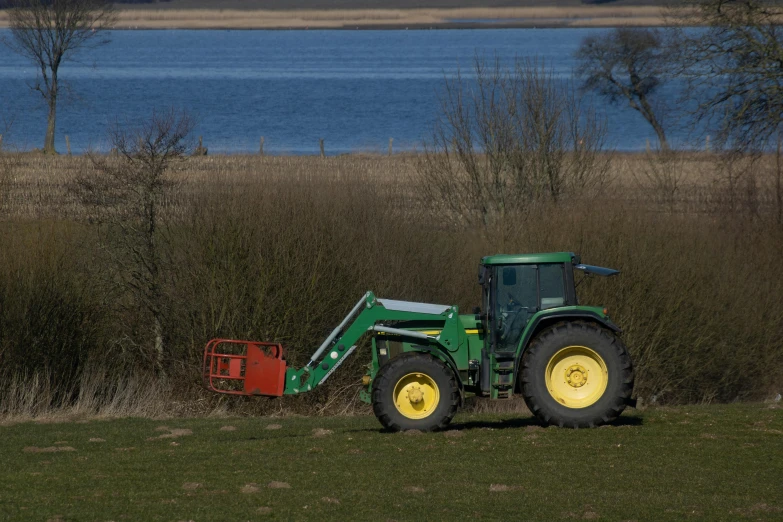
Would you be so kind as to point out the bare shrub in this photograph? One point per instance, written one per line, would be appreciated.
(661, 176)
(48, 320)
(280, 248)
(278, 259)
(735, 184)
(507, 141)
(127, 193)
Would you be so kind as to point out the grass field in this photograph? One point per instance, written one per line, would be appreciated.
(696, 462)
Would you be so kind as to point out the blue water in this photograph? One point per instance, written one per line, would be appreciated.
(355, 89)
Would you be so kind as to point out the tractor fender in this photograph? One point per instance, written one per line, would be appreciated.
(440, 352)
(543, 321)
(443, 354)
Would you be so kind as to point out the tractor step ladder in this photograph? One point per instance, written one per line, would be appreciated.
(504, 378)
(244, 367)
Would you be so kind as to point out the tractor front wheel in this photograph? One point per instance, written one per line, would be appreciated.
(577, 375)
(415, 391)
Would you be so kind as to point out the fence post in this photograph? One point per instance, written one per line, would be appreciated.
(1, 142)
(321, 145)
(707, 143)
(391, 140)
(68, 144)
(200, 150)
(261, 146)
(648, 145)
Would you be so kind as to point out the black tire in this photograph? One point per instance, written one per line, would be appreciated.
(414, 362)
(619, 384)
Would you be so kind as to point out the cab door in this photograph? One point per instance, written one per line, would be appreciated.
(515, 301)
(518, 292)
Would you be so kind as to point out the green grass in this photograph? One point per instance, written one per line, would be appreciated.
(719, 462)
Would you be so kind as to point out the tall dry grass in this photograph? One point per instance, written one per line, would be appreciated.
(278, 248)
(165, 16)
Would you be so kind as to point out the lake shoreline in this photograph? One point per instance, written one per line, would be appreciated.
(388, 19)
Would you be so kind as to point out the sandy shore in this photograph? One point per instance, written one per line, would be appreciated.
(557, 16)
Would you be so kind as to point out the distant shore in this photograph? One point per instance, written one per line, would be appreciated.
(425, 18)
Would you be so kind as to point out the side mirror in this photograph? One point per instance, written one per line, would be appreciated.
(482, 274)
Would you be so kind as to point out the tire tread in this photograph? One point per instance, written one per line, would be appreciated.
(619, 400)
(383, 409)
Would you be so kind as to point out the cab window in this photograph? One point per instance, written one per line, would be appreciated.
(552, 286)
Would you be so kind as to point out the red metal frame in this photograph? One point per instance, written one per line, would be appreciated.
(260, 367)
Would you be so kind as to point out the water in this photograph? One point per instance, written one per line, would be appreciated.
(355, 89)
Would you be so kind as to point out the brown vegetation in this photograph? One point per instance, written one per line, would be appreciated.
(145, 17)
(278, 248)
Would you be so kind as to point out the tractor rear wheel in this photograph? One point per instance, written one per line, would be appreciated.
(577, 375)
(415, 391)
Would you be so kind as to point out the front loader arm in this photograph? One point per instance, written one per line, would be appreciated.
(261, 372)
(364, 318)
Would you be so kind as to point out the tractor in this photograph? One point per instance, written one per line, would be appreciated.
(530, 337)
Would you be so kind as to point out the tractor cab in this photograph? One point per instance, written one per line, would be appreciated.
(516, 287)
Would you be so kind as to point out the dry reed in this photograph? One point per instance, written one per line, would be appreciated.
(276, 248)
(200, 18)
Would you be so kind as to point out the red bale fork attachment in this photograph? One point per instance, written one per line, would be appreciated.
(244, 367)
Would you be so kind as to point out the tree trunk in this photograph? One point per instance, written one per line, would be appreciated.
(158, 332)
(50, 126)
(154, 274)
(647, 111)
(660, 133)
(778, 187)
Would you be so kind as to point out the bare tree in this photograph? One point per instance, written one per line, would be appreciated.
(736, 68)
(127, 191)
(49, 32)
(627, 64)
(508, 139)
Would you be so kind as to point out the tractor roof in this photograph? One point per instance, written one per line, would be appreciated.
(518, 259)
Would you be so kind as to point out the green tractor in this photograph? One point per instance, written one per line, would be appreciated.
(531, 337)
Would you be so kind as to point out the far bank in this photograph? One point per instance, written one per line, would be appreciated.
(403, 18)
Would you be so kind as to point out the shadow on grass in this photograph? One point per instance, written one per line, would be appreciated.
(531, 421)
(503, 424)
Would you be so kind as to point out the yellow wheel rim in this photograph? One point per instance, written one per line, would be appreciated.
(416, 395)
(576, 376)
